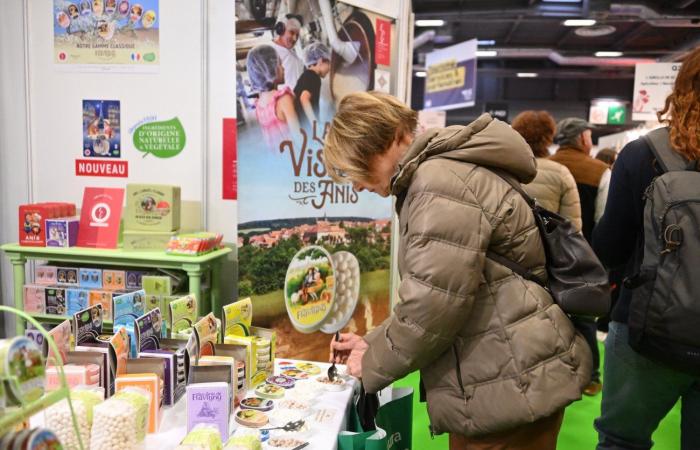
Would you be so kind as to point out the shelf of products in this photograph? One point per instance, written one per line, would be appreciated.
(194, 266)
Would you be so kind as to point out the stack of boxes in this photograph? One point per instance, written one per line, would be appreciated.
(152, 216)
(48, 225)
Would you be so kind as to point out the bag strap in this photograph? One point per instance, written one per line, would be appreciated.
(502, 260)
(659, 142)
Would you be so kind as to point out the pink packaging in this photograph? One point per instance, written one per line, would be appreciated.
(45, 275)
(75, 376)
(34, 298)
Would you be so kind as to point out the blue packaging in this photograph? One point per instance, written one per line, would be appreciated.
(90, 278)
(76, 300)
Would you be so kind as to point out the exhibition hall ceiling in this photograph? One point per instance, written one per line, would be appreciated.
(533, 34)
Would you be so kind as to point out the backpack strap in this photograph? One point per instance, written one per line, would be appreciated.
(659, 142)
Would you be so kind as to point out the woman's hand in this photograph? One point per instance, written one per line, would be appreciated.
(349, 350)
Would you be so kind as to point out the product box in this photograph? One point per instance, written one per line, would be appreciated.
(170, 361)
(61, 335)
(193, 244)
(156, 241)
(152, 207)
(46, 275)
(226, 361)
(56, 301)
(67, 276)
(260, 348)
(133, 279)
(32, 221)
(157, 284)
(76, 300)
(95, 362)
(113, 280)
(35, 298)
(103, 298)
(208, 403)
(149, 330)
(127, 307)
(183, 314)
(151, 384)
(206, 331)
(184, 354)
(62, 232)
(90, 278)
(76, 375)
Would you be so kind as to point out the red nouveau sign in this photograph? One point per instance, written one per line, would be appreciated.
(100, 168)
(382, 49)
(99, 217)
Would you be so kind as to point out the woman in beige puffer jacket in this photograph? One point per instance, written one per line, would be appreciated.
(499, 359)
(554, 187)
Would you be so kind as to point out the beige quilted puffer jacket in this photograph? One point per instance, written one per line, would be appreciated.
(555, 189)
(494, 351)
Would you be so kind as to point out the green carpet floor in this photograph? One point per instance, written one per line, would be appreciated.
(577, 432)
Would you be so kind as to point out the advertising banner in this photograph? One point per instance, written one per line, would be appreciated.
(313, 255)
(652, 84)
(105, 35)
(451, 77)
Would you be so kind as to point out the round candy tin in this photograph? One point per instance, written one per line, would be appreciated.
(311, 369)
(251, 418)
(296, 374)
(309, 288)
(258, 404)
(22, 362)
(269, 391)
(281, 381)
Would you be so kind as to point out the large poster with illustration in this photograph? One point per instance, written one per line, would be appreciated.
(313, 255)
(106, 34)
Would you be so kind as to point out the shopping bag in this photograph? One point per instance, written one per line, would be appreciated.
(393, 423)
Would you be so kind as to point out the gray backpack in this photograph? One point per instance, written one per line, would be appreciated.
(664, 320)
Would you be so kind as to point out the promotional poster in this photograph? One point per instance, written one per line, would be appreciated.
(652, 84)
(107, 34)
(451, 77)
(296, 226)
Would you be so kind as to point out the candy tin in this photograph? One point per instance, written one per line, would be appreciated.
(311, 369)
(269, 391)
(332, 385)
(258, 404)
(281, 381)
(22, 362)
(296, 374)
(251, 418)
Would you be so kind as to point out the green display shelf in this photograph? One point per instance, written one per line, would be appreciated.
(194, 266)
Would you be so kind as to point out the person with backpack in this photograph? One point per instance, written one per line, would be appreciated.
(650, 226)
(499, 359)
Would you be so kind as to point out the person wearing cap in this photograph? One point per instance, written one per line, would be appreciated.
(592, 179)
(307, 91)
(284, 46)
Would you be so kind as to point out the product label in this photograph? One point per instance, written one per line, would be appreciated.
(55, 301)
(88, 324)
(148, 330)
(207, 333)
(183, 314)
(61, 334)
(238, 317)
(309, 288)
(128, 307)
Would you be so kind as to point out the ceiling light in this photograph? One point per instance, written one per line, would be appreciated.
(608, 54)
(486, 53)
(486, 42)
(579, 22)
(561, 1)
(430, 23)
(527, 75)
(421, 74)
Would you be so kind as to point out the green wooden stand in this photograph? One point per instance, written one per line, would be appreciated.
(195, 266)
(14, 416)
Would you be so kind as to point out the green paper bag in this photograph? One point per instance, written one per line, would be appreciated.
(394, 425)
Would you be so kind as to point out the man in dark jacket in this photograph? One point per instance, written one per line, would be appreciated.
(592, 179)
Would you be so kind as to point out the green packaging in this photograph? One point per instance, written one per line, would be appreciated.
(147, 240)
(152, 207)
(157, 284)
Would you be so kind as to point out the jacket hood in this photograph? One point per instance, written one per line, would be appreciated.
(484, 142)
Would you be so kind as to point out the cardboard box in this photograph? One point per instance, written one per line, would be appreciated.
(113, 280)
(209, 403)
(32, 221)
(147, 240)
(77, 300)
(103, 298)
(35, 298)
(152, 207)
(67, 276)
(90, 278)
(62, 232)
(56, 301)
(46, 275)
(150, 383)
(157, 284)
(133, 279)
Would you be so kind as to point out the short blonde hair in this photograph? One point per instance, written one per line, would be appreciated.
(365, 125)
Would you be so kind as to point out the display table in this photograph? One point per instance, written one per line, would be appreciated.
(332, 407)
(194, 266)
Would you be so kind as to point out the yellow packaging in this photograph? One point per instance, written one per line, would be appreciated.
(260, 354)
(238, 317)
